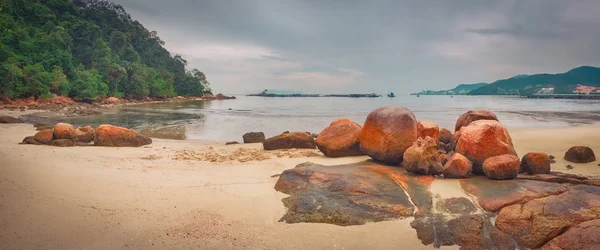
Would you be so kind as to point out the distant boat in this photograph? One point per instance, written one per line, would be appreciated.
(391, 94)
(418, 95)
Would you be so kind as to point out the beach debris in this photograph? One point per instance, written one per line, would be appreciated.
(340, 139)
(458, 166)
(289, 140)
(232, 143)
(63, 143)
(580, 154)
(445, 136)
(423, 158)
(474, 115)
(483, 139)
(387, 133)
(84, 134)
(113, 136)
(254, 137)
(535, 163)
(426, 128)
(9, 119)
(501, 167)
(64, 131)
(44, 137)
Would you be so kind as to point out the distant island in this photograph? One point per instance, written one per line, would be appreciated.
(580, 80)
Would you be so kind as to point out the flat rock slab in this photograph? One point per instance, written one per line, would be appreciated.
(558, 177)
(585, 236)
(494, 195)
(350, 194)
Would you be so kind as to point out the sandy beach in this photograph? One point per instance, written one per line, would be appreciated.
(167, 196)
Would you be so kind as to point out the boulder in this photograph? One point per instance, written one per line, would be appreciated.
(112, 100)
(445, 136)
(63, 143)
(422, 158)
(536, 222)
(84, 134)
(535, 163)
(431, 129)
(483, 139)
(44, 137)
(340, 139)
(113, 136)
(474, 115)
(64, 131)
(458, 166)
(585, 236)
(501, 167)
(223, 97)
(9, 119)
(254, 137)
(30, 140)
(289, 140)
(387, 133)
(580, 154)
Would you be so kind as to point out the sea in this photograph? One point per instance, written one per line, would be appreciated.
(228, 120)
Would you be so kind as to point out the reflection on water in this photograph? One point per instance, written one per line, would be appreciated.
(228, 120)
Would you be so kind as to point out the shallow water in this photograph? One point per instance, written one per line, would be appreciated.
(228, 120)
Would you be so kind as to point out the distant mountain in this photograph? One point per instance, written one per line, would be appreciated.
(462, 89)
(562, 83)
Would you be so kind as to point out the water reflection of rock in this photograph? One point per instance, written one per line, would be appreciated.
(354, 194)
(175, 132)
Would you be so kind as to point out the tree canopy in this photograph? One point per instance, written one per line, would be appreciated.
(85, 49)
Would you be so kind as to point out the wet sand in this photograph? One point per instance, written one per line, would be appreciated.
(148, 198)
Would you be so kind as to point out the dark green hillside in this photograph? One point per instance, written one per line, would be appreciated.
(85, 49)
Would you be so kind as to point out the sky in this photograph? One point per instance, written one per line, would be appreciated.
(357, 46)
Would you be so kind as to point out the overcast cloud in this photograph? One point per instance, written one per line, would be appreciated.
(343, 46)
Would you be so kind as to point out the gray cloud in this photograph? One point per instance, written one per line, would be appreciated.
(383, 45)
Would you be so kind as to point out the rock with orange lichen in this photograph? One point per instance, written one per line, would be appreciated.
(387, 133)
(426, 128)
(458, 166)
(64, 131)
(423, 158)
(484, 139)
(501, 167)
(113, 136)
(84, 134)
(474, 115)
(445, 136)
(535, 163)
(44, 137)
(340, 139)
(585, 236)
(289, 140)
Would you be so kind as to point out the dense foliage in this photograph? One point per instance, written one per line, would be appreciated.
(526, 84)
(85, 49)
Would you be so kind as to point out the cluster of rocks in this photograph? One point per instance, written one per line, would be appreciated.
(480, 145)
(66, 135)
(217, 97)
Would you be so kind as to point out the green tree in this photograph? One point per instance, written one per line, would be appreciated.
(87, 84)
(59, 83)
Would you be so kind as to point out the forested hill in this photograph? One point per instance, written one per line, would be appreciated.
(85, 49)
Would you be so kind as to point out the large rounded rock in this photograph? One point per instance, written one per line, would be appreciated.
(64, 131)
(44, 137)
(501, 167)
(289, 140)
(63, 143)
(113, 136)
(580, 154)
(387, 133)
(431, 129)
(535, 163)
(254, 137)
(483, 139)
(340, 139)
(445, 136)
(423, 158)
(84, 134)
(458, 166)
(474, 115)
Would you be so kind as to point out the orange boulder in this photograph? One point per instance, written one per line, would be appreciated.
(458, 166)
(113, 136)
(289, 140)
(423, 158)
(340, 139)
(44, 137)
(484, 139)
(474, 115)
(501, 167)
(64, 131)
(431, 129)
(536, 163)
(84, 134)
(387, 133)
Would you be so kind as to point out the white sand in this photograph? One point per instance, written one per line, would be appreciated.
(111, 198)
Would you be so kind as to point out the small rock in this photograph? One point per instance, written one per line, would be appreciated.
(426, 128)
(580, 154)
(502, 167)
(85, 134)
(44, 137)
(340, 139)
(551, 157)
(254, 137)
(458, 166)
(445, 136)
(569, 167)
(422, 158)
(536, 163)
(231, 143)
(289, 140)
(9, 119)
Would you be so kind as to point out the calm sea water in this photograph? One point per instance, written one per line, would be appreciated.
(228, 120)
